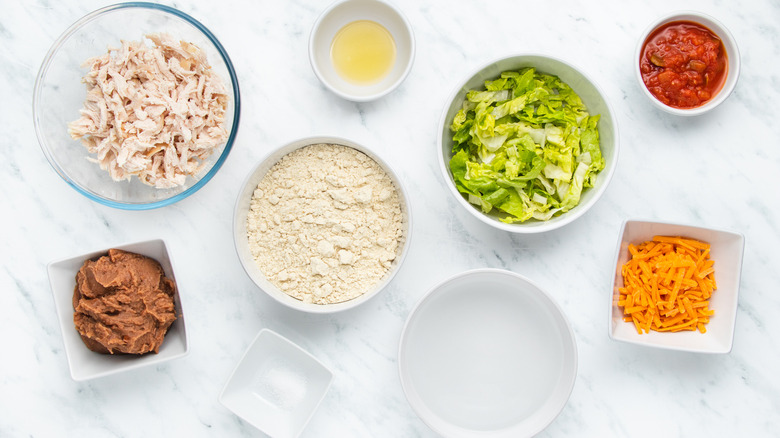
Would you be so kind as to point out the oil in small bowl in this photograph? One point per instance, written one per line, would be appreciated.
(363, 52)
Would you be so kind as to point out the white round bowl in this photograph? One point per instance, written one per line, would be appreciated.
(242, 242)
(344, 12)
(729, 44)
(593, 98)
(487, 354)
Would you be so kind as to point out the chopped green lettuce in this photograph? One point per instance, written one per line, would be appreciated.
(526, 146)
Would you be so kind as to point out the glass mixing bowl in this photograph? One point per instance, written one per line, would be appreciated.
(59, 95)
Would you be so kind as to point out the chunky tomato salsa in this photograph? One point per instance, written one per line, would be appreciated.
(683, 64)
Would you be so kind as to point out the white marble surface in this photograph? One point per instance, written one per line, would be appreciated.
(720, 170)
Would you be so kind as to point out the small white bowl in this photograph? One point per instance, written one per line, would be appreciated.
(242, 242)
(726, 249)
(487, 353)
(277, 386)
(86, 364)
(340, 14)
(592, 96)
(729, 44)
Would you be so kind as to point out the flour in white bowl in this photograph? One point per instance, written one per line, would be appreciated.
(325, 224)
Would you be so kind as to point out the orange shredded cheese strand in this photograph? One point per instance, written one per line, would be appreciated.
(667, 284)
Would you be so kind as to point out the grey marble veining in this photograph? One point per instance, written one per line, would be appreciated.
(720, 170)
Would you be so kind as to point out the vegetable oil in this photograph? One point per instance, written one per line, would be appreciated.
(363, 52)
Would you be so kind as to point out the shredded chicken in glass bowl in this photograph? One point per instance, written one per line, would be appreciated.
(136, 105)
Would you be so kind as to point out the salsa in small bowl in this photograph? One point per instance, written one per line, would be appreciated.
(687, 63)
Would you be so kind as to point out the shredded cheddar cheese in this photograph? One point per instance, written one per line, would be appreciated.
(667, 284)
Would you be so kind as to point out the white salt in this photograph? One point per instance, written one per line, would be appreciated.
(281, 386)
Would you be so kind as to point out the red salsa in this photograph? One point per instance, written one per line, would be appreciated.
(683, 64)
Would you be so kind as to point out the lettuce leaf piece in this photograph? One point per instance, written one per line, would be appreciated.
(524, 81)
(483, 205)
(509, 107)
(572, 196)
(487, 96)
(496, 196)
(461, 125)
(514, 206)
(462, 135)
(498, 84)
(458, 167)
(590, 143)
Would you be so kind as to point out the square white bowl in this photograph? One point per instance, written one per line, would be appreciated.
(277, 386)
(726, 249)
(84, 363)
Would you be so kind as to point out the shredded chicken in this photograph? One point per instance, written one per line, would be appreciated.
(154, 112)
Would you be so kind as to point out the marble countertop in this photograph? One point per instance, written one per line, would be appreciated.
(720, 170)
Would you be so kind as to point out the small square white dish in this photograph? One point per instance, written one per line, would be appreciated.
(86, 364)
(277, 386)
(726, 250)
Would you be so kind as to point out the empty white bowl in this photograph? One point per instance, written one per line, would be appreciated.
(726, 249)
(338, 15)
(86, 364)
(277, 386)
(487, 353)
(729, 44)
(242, 242)
(593, 98)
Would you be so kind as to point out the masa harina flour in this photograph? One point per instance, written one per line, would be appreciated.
(325, 224)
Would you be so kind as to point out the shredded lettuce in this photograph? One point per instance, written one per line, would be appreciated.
(526, 146)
